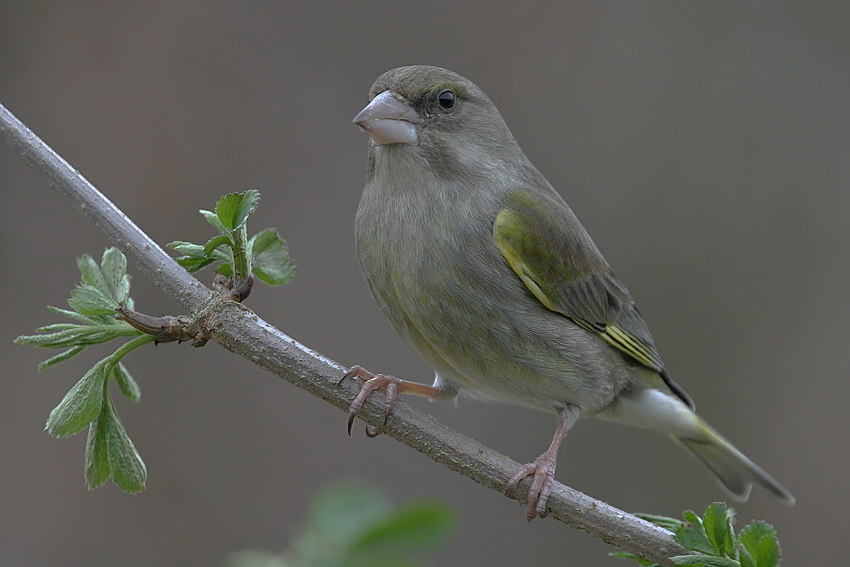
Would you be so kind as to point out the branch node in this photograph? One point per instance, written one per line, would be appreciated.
(228, 287)
(165, 329)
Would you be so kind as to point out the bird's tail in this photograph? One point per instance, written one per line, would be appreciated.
(733, 469)
(654, 409)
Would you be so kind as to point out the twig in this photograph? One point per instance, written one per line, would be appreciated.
(239, 330)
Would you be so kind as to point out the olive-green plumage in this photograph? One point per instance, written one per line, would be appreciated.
(481, 266)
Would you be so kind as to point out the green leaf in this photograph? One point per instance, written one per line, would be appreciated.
(61, 357)
(126, 383)
(114, 267)
(759, 545)
(416, 527)
(692, 534)
(703, 561)
(225, 210)
(89, 300)
(73, 315)
(187, 248)
(91, 273)
(255, 558)
(194, 257)
(669, 524)
(233, 209)
(718, 521)
(272, 263)
(225, 269)
(263, 240)
(249, 204)
(632, 557)
(59, 328)
(68, 335)
(97, 462)
(378, 560)
(126, 466)
(213, 219)
(81, 405)
(215, 242)
(194, 264)
(344, 510)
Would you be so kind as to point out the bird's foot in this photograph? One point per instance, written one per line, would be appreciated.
(393, 387)
(543, 470)
(371, 382)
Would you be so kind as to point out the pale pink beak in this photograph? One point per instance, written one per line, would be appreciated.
(389, 120)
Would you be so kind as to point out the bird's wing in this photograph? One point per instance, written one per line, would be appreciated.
(554, 257)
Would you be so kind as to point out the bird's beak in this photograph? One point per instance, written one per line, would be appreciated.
(389, 120)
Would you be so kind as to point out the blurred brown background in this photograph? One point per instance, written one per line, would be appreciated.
(704, 145)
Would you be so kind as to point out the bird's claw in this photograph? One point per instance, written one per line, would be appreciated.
(371, 382)
(543, 472)
(372, 431)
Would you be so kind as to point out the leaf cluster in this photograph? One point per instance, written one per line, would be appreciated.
(714, 541)
(264, 255)
(352, 525)
(102, 310)
(93, 305)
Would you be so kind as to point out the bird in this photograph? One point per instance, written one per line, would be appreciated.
(482, 268)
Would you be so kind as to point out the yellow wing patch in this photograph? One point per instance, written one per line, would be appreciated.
(509, 236)
(506, 237)
(631, 345)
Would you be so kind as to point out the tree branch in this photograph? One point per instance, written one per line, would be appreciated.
(241, 331)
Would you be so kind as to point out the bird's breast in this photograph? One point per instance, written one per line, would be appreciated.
(428, 256)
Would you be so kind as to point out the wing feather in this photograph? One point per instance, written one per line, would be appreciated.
(551, 253)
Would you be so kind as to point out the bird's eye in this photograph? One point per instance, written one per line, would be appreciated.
(446, 99)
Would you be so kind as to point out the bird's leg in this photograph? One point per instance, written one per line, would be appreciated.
(392, 386)
(543, 469)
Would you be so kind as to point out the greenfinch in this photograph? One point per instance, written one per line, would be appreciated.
(481, 267)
